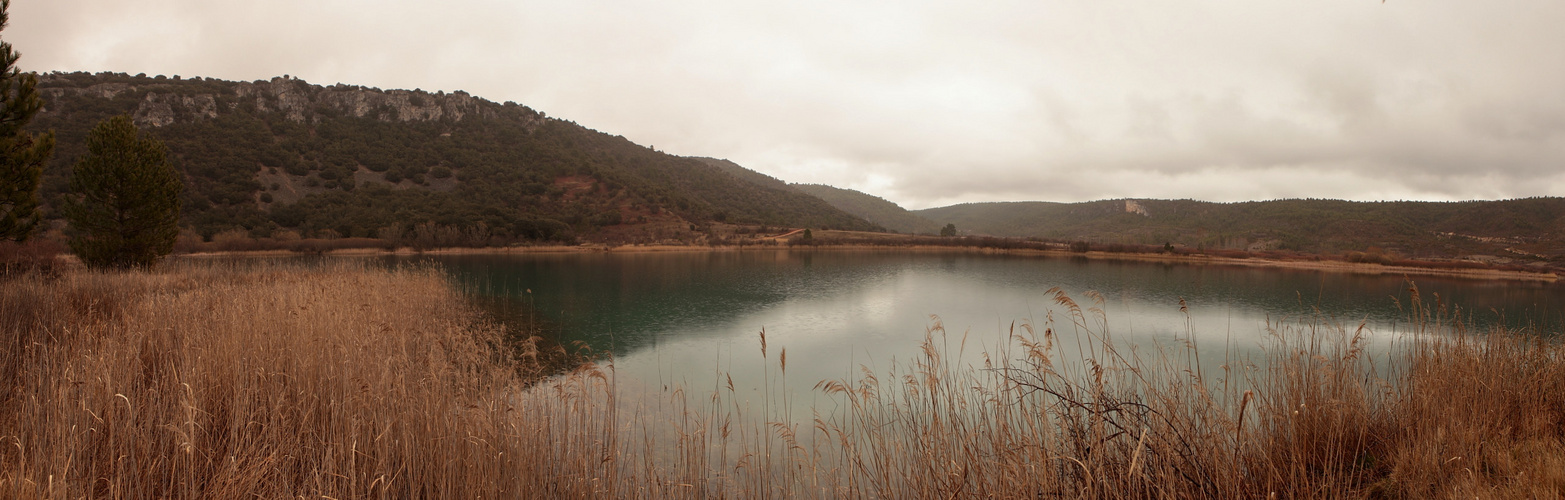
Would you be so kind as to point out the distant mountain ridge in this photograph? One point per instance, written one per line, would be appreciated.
(876, 210)
(1530, 229)
(285, 154)
(744, 174)
(872, 208)
(346, 160)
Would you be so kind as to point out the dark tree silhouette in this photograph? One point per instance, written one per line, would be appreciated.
(125, 212)
(22, 155)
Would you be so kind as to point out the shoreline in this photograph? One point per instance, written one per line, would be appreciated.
(1324, 265)
(401, 354)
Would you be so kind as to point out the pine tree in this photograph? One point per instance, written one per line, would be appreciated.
(126, 209)
(21, 154)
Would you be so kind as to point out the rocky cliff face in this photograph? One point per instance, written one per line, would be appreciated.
(157, 110)
(301, 102)
(168, 101)
(282, 153)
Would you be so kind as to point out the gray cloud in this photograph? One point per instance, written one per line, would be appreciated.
(929, 103)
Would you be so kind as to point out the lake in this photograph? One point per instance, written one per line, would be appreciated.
(690, 318)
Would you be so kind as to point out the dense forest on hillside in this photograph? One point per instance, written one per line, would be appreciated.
(1530, 229)
(872, 208)
(286, 156)
(353, 161)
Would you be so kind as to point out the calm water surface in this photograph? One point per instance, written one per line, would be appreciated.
(685, 318)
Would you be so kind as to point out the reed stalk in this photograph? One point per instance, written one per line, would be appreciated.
(344, 381)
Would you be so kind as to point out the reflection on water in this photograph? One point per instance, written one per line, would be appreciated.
(685, 317)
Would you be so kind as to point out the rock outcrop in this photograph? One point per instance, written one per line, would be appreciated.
(1135, 207)
(165, 103)
(157, 110)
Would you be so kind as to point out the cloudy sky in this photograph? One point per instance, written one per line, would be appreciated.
(933, 103)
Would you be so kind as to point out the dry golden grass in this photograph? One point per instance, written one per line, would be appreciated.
(1446, 414)
(214, 382)
(222, 381)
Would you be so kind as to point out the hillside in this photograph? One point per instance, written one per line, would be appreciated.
(347, 160)
(1527, 230)
(744, 174)
(872, 208)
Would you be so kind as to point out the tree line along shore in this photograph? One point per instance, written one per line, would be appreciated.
(47, 253)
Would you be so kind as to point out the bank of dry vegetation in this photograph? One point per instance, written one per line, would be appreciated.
(223, 381)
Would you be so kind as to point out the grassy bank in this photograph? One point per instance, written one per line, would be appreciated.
(216, 381)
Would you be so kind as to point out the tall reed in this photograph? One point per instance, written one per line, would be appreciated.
(219, 381)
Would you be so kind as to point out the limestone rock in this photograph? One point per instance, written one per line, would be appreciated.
(165, 102)
(157, 110)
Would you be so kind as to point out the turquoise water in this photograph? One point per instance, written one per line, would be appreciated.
(691, 317)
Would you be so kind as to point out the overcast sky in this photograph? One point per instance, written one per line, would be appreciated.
(933, 103)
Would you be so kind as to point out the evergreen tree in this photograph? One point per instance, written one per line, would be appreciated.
(126, 209)
(949, 230)
(21, 154)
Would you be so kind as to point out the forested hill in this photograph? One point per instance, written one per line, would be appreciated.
(872, 208)
(1531, 229)
(356, 161)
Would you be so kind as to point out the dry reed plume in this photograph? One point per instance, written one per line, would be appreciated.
(346, 382)
(1445, 414)
(217, 382)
